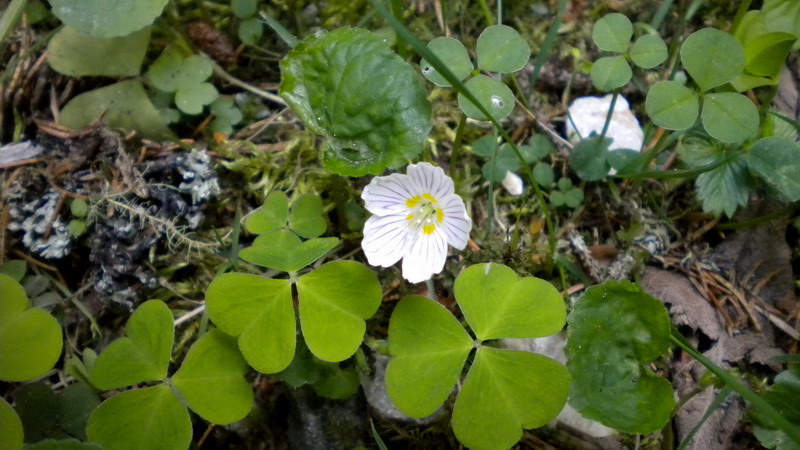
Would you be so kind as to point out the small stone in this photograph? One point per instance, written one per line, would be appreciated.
(589, 116)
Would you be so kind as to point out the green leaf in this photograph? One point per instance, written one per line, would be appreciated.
(564, 184)
(573, 198)
(37, 407)
(649, 51)
(730, 117)
(76, 403)
(244, 8)
(10, 427)
(338, 385)
(485, 145)
(125, 105)
(250, 31)
(543, 174)
(306, 218)
(724, 188)
(782, 15)
(777, 161)
(141, 356)
(304, 369)
(558, 198)
(272, 215)
(784, 396)
(260, 312)
(589, 158)
(283, 250)
(613, 33)
(712, 57)
(672, 105)
(504, 392)
(501, 49)
(506, 161)
(746, 82)
(107, 18)
(193, 97)
(30, 338)
(498, 303)
(766, 54)
(79, 208)
(163, 73)
(429, 348)
(453, 55)
(370, 105)
(616, 330)
(211, 379)
(611, 72)
(623, 159)
(495, 96)
(195, 69)
(16, 269)
(334, 302)
(224, 108)
(63, 444)
(146, 418)
(538, 147)
(75, 54)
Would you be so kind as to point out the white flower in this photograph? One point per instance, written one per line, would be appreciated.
(414, 217)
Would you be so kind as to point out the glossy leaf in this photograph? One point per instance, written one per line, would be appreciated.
(30, 338)
(272, 215)
(729, 117)
(453, 54)
(495, 96)
(11, 436)
(589, 158)
(370, 105)
(648, 51)
(724, 188)
(615, 330)
(334, 302)
(498, 303)
(430, 348)
(501, 49)
(613, 33)
(123, 105)
(306, 218)
(504, 392)
(211, 379)
(146, 418)
(73, 53)
(283, 250)
(260, 312)
(107, 18)
(672, 105)
(611, 72)
(777, 161)
(712, 57)
(141, 356)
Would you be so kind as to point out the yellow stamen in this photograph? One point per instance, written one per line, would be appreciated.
(413, 201)
(439, 215)
(429, 229)
(409, 217)
(429, 197)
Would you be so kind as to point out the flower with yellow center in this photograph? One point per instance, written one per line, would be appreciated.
(415, 216)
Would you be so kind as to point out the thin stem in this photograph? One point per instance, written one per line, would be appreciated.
(456, 153)
(758, 403)
(431, 291)
(737, 20)
(661, 13)
(486, 12)
(280, 30)
(547, 45)
(499, 11)
(10, 18)
(609, 115)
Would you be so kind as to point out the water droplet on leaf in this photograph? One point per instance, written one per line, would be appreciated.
(497, 102)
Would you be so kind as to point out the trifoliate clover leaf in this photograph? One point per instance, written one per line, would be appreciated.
(272, 215)
(501, 49)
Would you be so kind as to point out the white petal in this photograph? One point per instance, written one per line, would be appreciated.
(431, 180)
(388, 195)
(457, 223)
(386, 239)
(513, 184)
(425, 257)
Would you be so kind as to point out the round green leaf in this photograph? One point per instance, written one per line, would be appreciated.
(141, 356)
(730, 117)
(224, 108)
(623, 159)
(11, 437)
(244, 8)
(16, 269)
(76, 404)
(499, 304)
(506, 161)
(615, 330)
(712, 57)
(501, 49)
(141, 419)
(370, 105)
(613, 33)
(429, 348)
(589, 158)
(191, 99)
(495, 96)
(543, 174)
(338, 385)
(79, 208)
(672, 105)
(558, 198)
(777, 161)
(306, 218)
(573, 198)
(648, 51)
(107, 18)
(250, 31)
(272, 215)
(334, 302)
(485, 145)
(211, 379)
(283, 250)
(163, 73)
(453, 55)
(194, 69)
(611, 72)
(564, 184)
(538, 147)
(504, 392)
(73, 53)
(37, 407)
(125, 105)
(260, 312)
(30, 339)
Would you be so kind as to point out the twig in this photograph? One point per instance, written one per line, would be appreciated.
(190, 315)
(220, 72)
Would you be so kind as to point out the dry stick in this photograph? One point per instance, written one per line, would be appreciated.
(220, 72)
